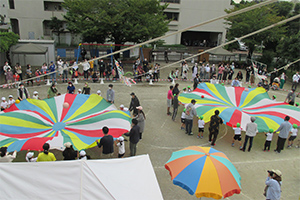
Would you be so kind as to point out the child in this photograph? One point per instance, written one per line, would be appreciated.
(36, 95)
(184, 76)
(293, 136)
(82, 155)
(274, 97)
(11, 100)
(237, 135)
(29, 157)
(201, 124)
(189, 89)
(184, 90)
(183, 119)
(268, 139)
(4, 104)
(121, 145)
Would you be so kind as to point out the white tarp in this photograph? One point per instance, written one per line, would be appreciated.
(126, 178)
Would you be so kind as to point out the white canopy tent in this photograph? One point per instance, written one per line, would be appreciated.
(127, 178)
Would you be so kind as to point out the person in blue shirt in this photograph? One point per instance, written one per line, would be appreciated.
(236, 83)
(71, 88)
(52, 69)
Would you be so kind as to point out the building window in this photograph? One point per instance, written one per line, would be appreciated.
(170, 1)
(15, 26)
(52, 6)
(172, 16)
(46, 28)
(11, 4)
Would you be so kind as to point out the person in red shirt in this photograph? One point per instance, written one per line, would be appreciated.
(169, 100)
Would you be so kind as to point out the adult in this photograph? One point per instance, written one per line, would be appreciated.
(5, 68)
(207, 71)
(189, 116)
(290, 98)
(175, 106)
(284, 129)
(236, 83)
(169, 100)
(60, 69)
(52, 69)
(251, 130)
(86, 89)
(166, 56)
(23, 92)
(69, 153)
(5, 157)
(110, 94)
(65, 67)
(134, 136)
(145, 65)
(196, 81)
(83, 53)
(239, 75)
(296, 80)
(215, 122)
(194, 71)
(46, 155)
(134, 104)
(18, 69)
(252, 75)
(107, 141)
(176, 89)
(140, 117)
(71, 88)
(273, 185)
(52, 91)
(44, 70)
(282, 80)
(220, 72)
(102, 68)
(248, 71)
(86, 67)
(29, 74)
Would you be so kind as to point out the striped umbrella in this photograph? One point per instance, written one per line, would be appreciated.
(66, 118)
(205, 172)
(238, 104)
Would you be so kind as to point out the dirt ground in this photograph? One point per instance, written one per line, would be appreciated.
(162, 136)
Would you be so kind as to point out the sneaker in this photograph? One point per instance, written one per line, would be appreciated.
(191, 133)
(212, 145)
(232, 144)
(289, 146)
(198, 136)
(264, 150)
(182, 128)
(201, 137)
(209, 142)
(241, 147)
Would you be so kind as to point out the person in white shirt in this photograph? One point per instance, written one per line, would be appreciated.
(296, 80)
(11, 100)
(294, 133)
(35, 95)
(236, 83)
(251, 131)
(214, 80)
(183, 119)
(121, 146)
(99, 92)
(79, 91)
(4, 104)
(5, 157)
(201, 125)
(207, 71)
(29, 157)
(269, 137)
(86, 67)
(82, 155)
(237, 135)
(60, 67)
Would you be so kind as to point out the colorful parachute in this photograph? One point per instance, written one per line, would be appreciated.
(238, 104)
(67, 118)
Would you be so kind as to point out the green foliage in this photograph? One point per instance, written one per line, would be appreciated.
(254, 20)
(57, 26)
(118, 21)
(7, 39)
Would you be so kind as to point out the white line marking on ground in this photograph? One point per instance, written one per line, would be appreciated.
(164, 123)
(263, 161)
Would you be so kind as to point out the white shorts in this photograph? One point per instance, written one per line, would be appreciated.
(169, 102)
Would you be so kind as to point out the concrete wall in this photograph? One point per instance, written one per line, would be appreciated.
(34, 60)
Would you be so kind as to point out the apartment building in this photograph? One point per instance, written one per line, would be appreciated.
(186, 13)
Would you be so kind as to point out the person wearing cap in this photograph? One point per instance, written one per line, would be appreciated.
(4, 104)
(274, 97)
(46, 156)
(237, 135)
(284, 129)
(5, 156)
(134, 136)
(107, 141)
(294, 133)
(175, 106)
(83, 156)
(110, 94)
(121, 146)
(99, 92)
(251, 130)
(184, 90)
(71, 88)
(290, 98)
(134, 103)
(11, 100)
(22, 92)
(123, 108)
(140, 117)
(29, 157)
(269, 136)
(69, 153)
(79, 91)
(214, 124)
(86, 89)
(189, 117)
(35, 95)
(201, 125)
(52, 91)
(273, 185)
(169, 100)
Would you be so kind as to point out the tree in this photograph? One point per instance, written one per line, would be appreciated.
(251, 21)
(7, 39)
(56, 26)
(117, 21)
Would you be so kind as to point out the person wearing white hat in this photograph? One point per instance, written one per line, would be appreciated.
(79, 91)
(29, 157)
(121, 146)
(83, 156)
(123, 108)
(99, 92)
(4, 104)
(36, 95)
(273, 185)
(11, 100)
(69, 153)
